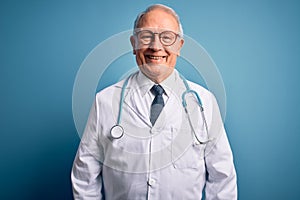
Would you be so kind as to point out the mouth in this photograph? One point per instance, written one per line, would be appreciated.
(155, 59)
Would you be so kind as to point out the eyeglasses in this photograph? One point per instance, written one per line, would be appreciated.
(167, 38)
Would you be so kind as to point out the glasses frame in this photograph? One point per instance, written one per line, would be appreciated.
(159, 36)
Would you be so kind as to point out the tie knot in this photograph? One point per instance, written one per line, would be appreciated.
(157, 90)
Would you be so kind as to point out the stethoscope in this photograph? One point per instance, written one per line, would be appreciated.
(117, 131)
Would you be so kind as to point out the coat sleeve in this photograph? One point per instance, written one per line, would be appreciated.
(221, 175)
(86, 173)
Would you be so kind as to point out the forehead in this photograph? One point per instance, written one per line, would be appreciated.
(159, 19)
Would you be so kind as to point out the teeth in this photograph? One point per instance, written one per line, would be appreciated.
(156, 57)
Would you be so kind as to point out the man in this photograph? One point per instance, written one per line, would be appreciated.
(165, 151)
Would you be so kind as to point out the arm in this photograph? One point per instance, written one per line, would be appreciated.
(86, 172)
(221, 179)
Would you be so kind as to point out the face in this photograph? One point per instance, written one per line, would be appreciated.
(156, 60)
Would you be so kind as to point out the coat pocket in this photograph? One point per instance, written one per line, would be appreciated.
(187, 152)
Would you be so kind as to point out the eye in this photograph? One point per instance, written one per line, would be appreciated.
(167, 37)
(146, 37)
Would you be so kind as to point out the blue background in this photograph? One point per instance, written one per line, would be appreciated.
(255, 44)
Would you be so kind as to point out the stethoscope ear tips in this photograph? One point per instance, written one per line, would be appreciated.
(116, 131)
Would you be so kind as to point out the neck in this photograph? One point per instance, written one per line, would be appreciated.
(158, 78)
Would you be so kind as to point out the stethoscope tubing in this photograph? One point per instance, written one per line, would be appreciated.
(117, 131)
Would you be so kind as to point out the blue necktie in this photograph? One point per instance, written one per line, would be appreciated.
(157, 104)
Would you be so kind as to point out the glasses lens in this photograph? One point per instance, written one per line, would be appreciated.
(167, 38)
(145, 37)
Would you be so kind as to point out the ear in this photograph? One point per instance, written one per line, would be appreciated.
(181, 42)
(132, 41)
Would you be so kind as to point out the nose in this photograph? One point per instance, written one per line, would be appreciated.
(155, 44)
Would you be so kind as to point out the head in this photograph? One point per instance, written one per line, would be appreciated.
(156, 41)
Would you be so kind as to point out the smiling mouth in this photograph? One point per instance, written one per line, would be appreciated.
(155, 57)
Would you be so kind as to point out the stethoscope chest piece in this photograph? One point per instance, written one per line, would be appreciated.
(116, 131)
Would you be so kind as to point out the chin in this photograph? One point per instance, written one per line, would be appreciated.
(154, 71)
(156, 68)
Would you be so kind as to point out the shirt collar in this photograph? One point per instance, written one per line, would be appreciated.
(169, 83)
(145, 84)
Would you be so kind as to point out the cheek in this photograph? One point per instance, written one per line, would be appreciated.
(172, 60)
(140, 58)
(173, 54)
(172, 57)
(174, 49)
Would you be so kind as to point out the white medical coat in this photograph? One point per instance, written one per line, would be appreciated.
(164, 161)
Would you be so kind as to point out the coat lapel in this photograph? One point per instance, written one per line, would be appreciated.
(136, 103)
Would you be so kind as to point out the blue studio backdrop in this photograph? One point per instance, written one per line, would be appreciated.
(254, 44)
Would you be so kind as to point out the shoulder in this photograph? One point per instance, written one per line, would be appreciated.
(112, 93)
(202, 91)
(108, 94)
(208, 99)
(110, 89)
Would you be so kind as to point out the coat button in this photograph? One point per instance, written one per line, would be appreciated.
(151, 182)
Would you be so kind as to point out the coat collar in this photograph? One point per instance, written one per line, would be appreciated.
(139, 85)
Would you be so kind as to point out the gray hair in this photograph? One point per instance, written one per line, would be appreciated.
(162, 7)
